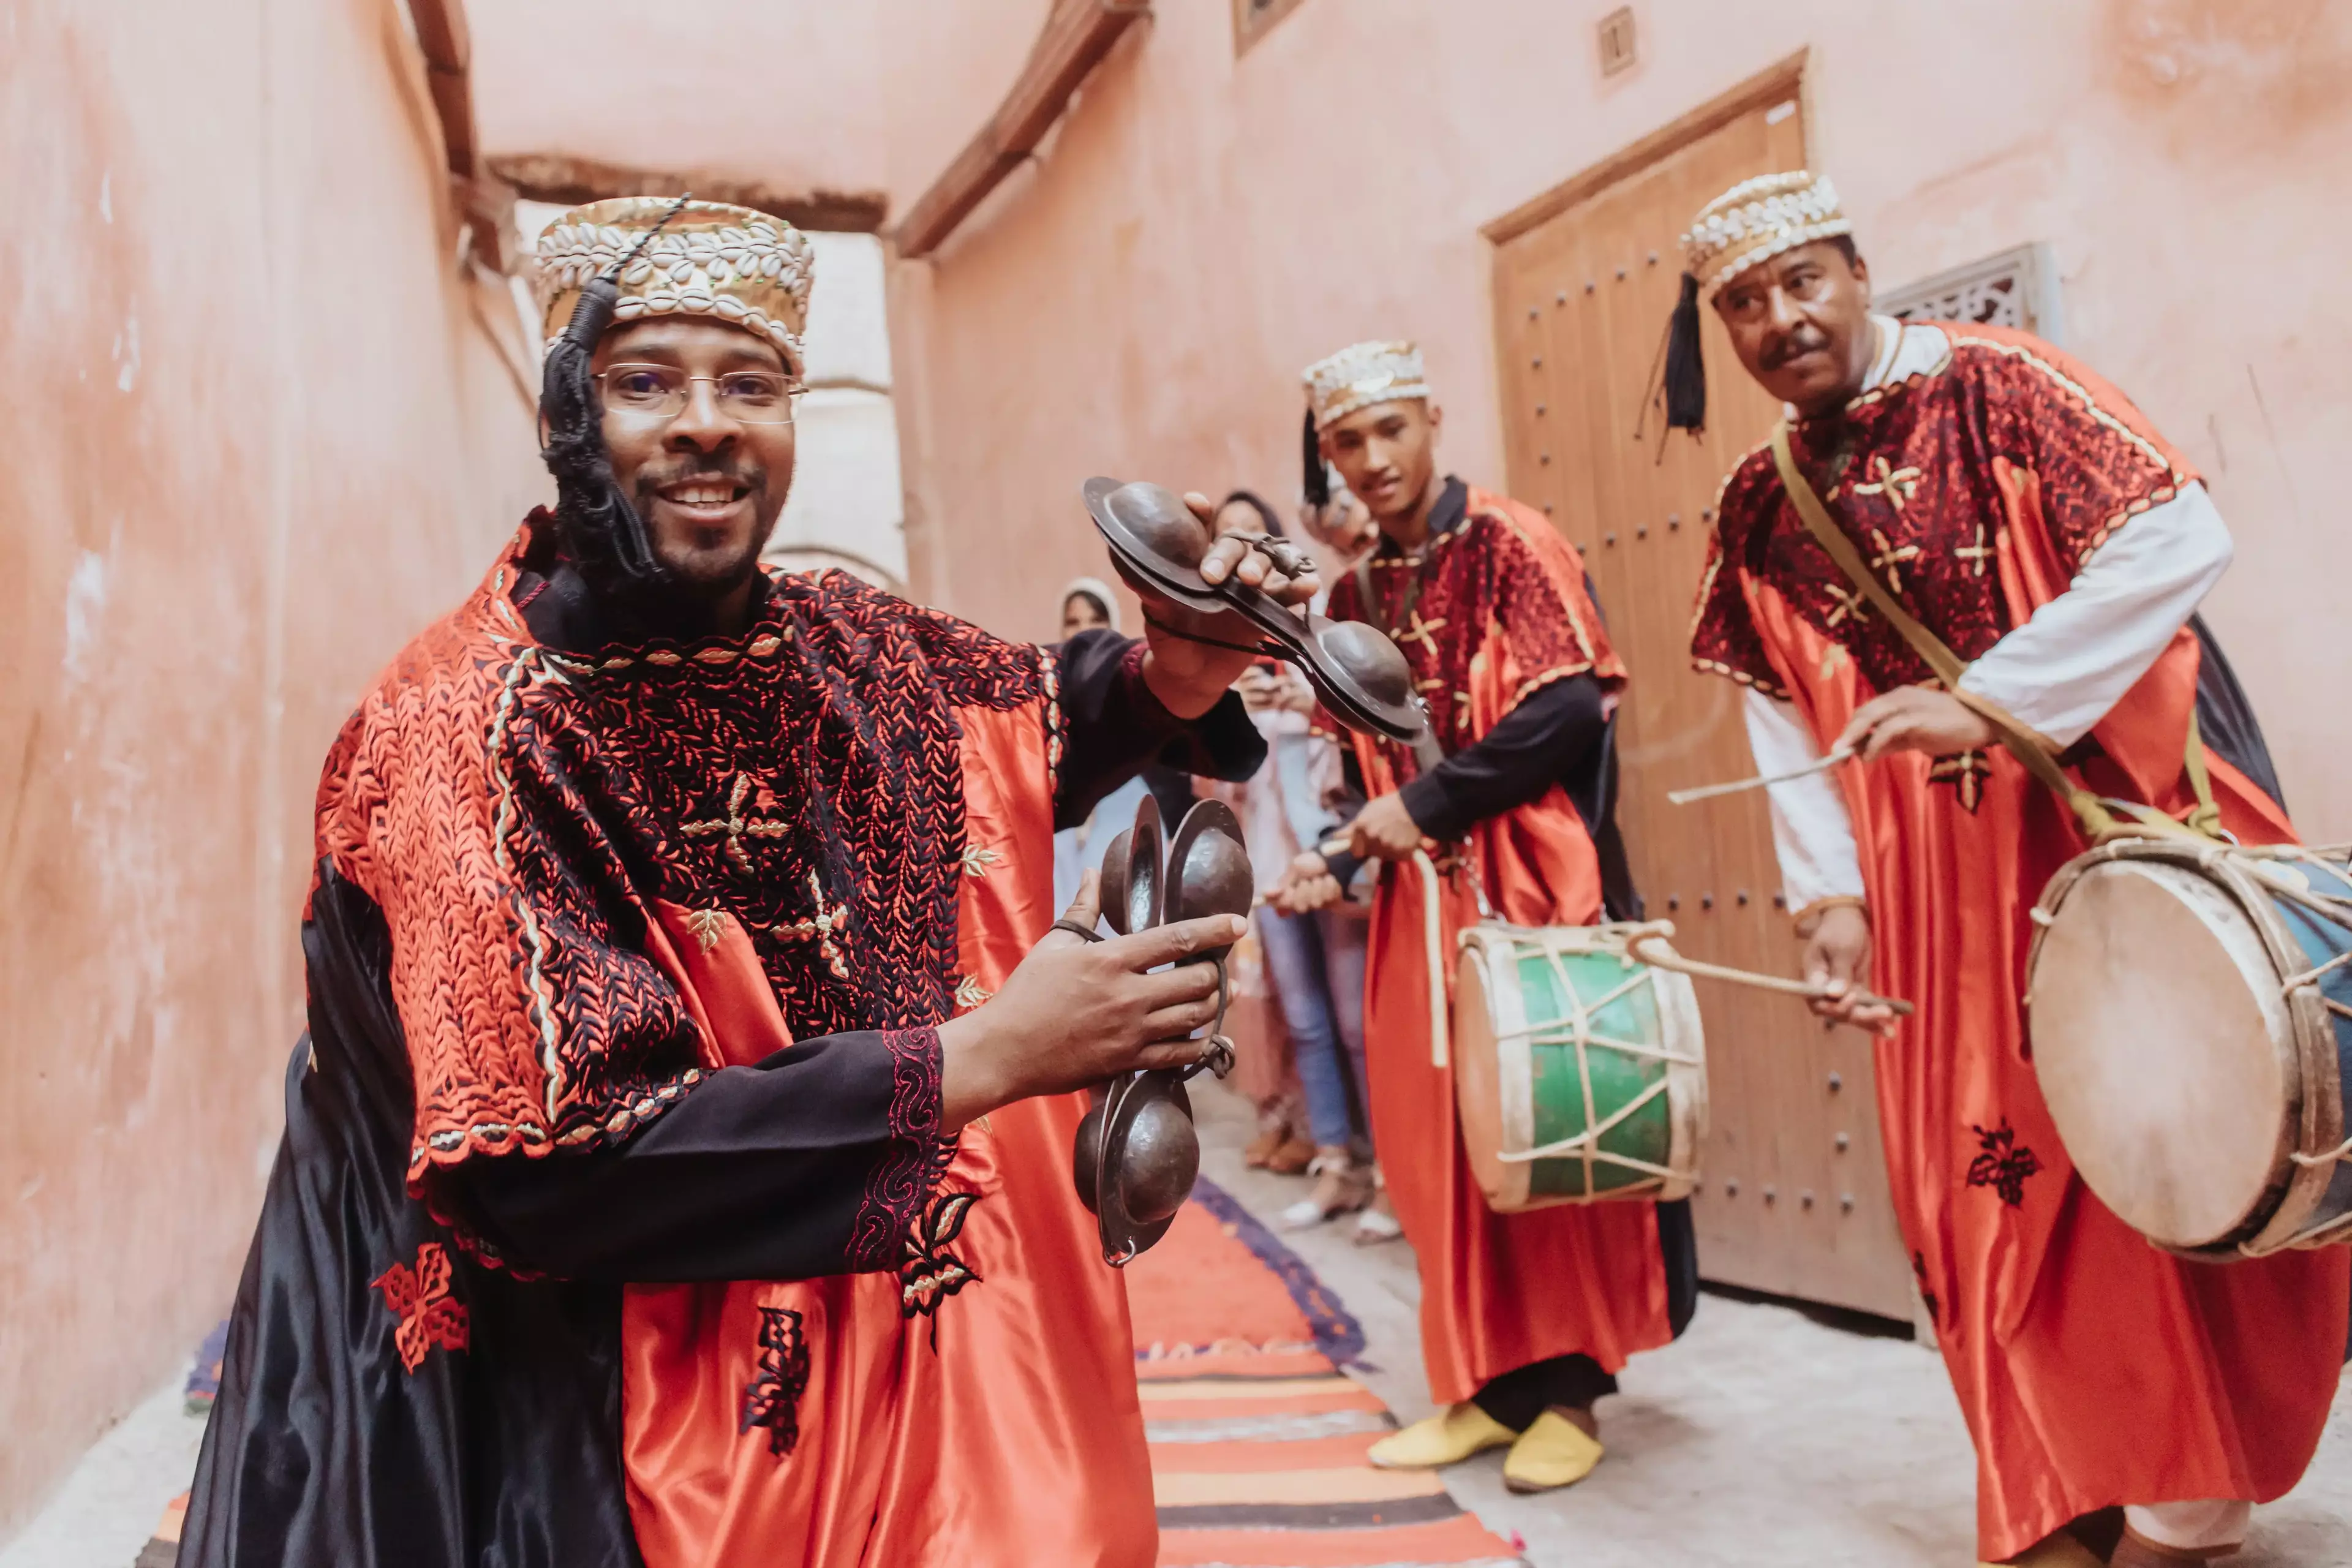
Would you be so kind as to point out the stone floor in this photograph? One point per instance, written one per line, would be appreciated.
(1763, 1438)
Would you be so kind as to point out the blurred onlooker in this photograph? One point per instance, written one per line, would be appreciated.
(1317, 959)
(1087, 603)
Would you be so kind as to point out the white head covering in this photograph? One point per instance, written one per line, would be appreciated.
(1094, 588)
(1757, 219)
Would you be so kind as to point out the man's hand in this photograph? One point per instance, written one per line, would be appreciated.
(1383, 830)
(1916, 719)
(1306, 885)
(1190, 677)
(1078, 1012)
(1838, 955)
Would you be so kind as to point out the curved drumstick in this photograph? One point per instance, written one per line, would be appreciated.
(1658, 930)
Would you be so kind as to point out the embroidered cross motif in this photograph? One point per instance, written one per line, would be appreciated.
(818, 928)
(1898, 485)
(2004, 1165)
(1423, 632)
(1966, 772)
(736, 825)
(1833, 660)
(1849, 604)
(1976, 554)
(977, 861)
(931, 1273)
(773, 1397)
(708, 926)
(420, 1299)
(1890, 558)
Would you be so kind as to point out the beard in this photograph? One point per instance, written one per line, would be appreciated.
(705, 563)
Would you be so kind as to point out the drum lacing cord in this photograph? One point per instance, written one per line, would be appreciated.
(1579, 1032)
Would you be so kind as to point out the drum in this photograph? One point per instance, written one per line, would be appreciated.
(1579, 1073)
(2190, 1011)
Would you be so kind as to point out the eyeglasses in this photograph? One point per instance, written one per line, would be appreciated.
(651, 392)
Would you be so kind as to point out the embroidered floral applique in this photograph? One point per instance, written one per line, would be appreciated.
(977, 858)
(970, 993)
(419, 1296)
(708, 926)
(1966, 772)
(772, 1398)
(931, 1273)
(2004, 1163)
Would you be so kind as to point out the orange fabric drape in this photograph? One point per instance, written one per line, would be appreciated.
(1000, 1431)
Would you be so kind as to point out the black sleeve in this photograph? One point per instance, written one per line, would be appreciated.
(1115, 725)
(758, 1172)
(1538, 743)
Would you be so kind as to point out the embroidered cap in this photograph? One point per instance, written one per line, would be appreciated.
(1757, 219)
(741, 267)
(1362, 375)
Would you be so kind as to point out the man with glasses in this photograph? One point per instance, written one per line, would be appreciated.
(678, 1167)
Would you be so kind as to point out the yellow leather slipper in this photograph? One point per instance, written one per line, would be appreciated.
(1437, 1441)
(1554, 1452)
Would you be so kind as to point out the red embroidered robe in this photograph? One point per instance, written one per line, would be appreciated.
(2094, 1370)
(1501, 611)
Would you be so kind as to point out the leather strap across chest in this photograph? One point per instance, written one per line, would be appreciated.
(2100, 824)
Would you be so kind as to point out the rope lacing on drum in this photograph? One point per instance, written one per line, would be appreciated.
(1577, 1030)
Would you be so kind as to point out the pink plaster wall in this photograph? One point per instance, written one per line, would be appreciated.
(1200, 227)
(257, 438)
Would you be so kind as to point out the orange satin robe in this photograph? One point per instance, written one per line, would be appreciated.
(1504, 594)
(996, 1426)
(2094, 1370)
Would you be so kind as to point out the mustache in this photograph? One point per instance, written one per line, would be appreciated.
(729, 469)
(1804, 340)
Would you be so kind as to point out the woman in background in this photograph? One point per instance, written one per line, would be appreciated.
(1317, 959)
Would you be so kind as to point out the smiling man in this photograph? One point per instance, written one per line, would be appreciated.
(1525, 1318)
(2029, 517)
(677, 1169)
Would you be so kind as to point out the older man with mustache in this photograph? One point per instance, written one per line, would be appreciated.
(2029, 517)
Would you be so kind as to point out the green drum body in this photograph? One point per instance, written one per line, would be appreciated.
(1579, 1073)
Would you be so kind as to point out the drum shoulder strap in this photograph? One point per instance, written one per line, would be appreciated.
(2099, 822)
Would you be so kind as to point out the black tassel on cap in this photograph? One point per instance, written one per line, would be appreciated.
(600, 530)
(1316, 484)
(1686, 370)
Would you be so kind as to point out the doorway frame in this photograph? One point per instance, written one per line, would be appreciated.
(1782, 80)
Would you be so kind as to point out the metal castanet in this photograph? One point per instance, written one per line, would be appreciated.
(1158, 545)
(1136, 1153)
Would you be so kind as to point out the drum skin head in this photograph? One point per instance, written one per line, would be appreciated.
(2164, 1050)
(1478, 1090)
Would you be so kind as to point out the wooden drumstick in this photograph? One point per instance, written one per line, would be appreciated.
(1709, 792)
(1635, 942)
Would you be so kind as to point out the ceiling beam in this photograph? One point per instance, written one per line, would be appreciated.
(572, 182)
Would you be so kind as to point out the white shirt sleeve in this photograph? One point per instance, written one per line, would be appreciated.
(1811, 834)
(2064, 668)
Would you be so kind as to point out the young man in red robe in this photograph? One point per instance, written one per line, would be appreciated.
(677, 1168)
(1525, 1319)
(2028, 515)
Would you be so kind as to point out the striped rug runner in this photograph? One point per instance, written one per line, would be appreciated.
(1257, 1438)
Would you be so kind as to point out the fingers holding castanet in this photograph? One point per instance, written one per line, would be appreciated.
(1175, 942)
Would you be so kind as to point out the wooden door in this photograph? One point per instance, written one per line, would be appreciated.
(1794, 1199)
